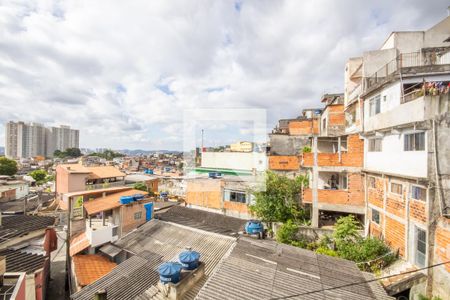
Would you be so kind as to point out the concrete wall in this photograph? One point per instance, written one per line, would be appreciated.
(435, 36)
(283, 144)
(235, 160)
(374, 60)
(394, 160)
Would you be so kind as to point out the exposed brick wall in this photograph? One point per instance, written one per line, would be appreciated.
(442, 243)
(395, 206)
(236, 207)
(307, 196)
(205, 193)
(336, 115)
(353, 157)
(395, 235)
(417, 211)
(128, 216)
(354, 195)
(376, 194)
(284, 163)
(304, 127)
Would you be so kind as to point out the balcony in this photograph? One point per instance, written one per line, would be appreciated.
(415, 110)
(99, 233)
(427, 60)
(104, 185)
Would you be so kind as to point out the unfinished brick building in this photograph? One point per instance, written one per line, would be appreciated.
(398, 97)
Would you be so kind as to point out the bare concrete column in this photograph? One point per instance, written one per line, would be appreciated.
(315, 184)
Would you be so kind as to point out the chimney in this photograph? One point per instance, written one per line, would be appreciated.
(100, 295)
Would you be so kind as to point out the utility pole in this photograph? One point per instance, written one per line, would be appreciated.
(202, 141)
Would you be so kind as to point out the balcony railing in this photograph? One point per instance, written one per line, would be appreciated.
(99, 234)
(104, 185)
(426, 57)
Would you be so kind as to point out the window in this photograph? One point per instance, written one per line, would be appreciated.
(418, 193)
(344, 182)
(375, 216)
(238, 197)
(324, 124)
(115, 231)
(138, 215)
(396, 188)
(421, 247)
(374, 105)
(415, 141)
(371, 181)
(375, 145)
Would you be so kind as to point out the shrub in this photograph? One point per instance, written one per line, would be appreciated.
(287, 232)
(346, 230)
(326, 251)
(306, 149)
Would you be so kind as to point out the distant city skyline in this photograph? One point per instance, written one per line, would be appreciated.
(63, 63)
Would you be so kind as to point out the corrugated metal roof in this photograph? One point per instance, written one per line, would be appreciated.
(204, 220)
(21, 261)
(262, 270)
(20, 225)
(154, 243)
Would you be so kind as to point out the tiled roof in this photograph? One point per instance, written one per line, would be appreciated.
(20, 225)
(90, 267)
(78, 243)
(154, 243)
(204, 220)
(109, 202)
(264, 269)
(104, 172)
(21, 261)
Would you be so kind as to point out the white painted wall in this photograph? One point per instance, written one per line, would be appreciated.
(393, 159)
(235, 160)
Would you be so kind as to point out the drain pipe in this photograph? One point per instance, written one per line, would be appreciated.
(436, 171)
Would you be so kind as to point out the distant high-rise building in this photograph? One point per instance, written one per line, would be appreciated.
(23, 140)
(63, 138)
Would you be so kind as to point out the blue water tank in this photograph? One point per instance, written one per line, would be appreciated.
(254, 227)
(189, 259)
(126, 199)
(148, 171)
(169, 272)
(138, 197)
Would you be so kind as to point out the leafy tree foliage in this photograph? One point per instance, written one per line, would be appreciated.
(69, 152)
(7, 166)
(279, 202)
(108, 154)
(39, 176)
(140, 186)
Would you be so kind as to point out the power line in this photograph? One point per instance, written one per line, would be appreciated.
(358, 283)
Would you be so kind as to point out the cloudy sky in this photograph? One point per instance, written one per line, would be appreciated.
(124, 72)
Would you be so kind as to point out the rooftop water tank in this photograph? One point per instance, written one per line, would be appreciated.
(148, 171)
(254, 227)
(189, 259)
(169, 272)
(126, 199)
(138, 197)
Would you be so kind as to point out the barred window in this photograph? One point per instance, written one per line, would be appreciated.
(138, 215)
(415, 141)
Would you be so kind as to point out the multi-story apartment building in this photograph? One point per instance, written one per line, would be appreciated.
(25, 140)
(334, 167)
(398, 98)
(64, 137)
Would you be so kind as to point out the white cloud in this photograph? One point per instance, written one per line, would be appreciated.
(124, 71)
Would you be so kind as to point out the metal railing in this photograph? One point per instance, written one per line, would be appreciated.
(426, 57)
(104, 185)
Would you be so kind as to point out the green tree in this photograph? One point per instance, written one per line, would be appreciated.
(280, 201)
(39, 176)
(346, 229)
(73, 152)
(287, 232)
(7, 166)
(140, 186)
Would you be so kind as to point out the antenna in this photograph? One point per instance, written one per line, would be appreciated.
(202, 141)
